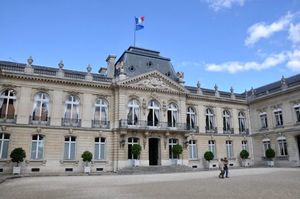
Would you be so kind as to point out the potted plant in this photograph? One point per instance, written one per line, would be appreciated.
(270, 154)
(136, 151)
(177, 150)
(208, 155)
(17, 155)
(87, 158)
(244, 154)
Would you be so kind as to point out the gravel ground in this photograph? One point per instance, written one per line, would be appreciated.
(243, 183)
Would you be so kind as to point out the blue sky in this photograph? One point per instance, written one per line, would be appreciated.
(239, 43)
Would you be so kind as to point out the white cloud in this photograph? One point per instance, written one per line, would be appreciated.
(294, 60)
(294, 33)
(220, 4)
(262, 30)
(190, 63)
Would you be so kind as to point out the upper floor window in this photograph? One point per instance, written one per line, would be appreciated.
(297, 110)
(229, 149)
(212, 147)
(278, 117)
(37, 147)
(193, 149)
(99, 148)
(72, 110)
(242, 123)
(172, 115)
(210, 120)
(244, 145)
(282, 145)
(101, 112)
(190, 118)
(8, 104)
(4, 141)
(266, 144)
(226, 121)
(132, 141)
(40, 110)
(133, 114)
(69, 148)
(172, 142)
(263, 119)
(153, 114)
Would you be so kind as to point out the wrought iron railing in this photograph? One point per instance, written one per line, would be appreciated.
(100, 124)
(228, 131)
(6, 118)
(37, 120)
(244, 131)
(211, 129)
(70, 122)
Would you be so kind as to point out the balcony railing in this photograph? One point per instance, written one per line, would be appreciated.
(100, 124)
(228, 131)
(70, 122)
(34, 120)
(211, 129)
(244, 131)
(5, 118)
(139, 124)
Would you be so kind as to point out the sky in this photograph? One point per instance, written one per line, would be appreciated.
(231, 43)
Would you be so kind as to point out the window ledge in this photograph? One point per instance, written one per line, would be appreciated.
(100, 162)
(195, 160)
(282, 158)
(278, 126)
(69, 162)
(39, 162)
(3, 161)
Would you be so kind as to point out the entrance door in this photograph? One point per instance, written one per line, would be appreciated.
(153, 151)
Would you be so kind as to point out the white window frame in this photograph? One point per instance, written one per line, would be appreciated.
(282, 144)
(2, 140)
(229, 148)
(226, 121)
(173, 111)
(132, 141)
(193, 149)
(190, 118)
(154, 106)
(69, 148)
(278, 117)
(8, 97)
(39, 100)
(133, 112)
(39, 144)
(101, 103)
(210, 120)
(266, 145)
(98, 147)
(212, 146)
(242, 122)
(264, 120)
(245, 145)
(297, 112)
(73, 102)
(172, 142)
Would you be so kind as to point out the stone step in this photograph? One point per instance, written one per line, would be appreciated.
(155, 169)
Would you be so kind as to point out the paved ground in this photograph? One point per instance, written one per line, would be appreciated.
(243, 184)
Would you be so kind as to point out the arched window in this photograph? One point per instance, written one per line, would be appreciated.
(172, 142)
(297, 111)
(264, 120)
(278, 117)
(190, 118)
(8, 104)
(242, 123)
(71, 110)
(210, 121)
(266, 144)
(226, 121)
(69, 148)
(133, 112)
(40, 108)
(99, 148)
(37, 147)
(282, 145)
(193, 149)
(132, 141)
(153, 113)
(172, 115)
(101, 113)
(4, 141)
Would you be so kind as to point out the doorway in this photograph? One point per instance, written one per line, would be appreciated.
(153, 151)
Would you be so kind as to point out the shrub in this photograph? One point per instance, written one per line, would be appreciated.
(87, 157)
(18, 155)
(208, 155)
(177, 149)
(270, 153)
(136, 149)
(244, 154)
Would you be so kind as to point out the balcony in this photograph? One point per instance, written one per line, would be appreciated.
(71, 122)
(139, 124)
(100, 124)
(244, 131)
(44, 121)
(5, 118)
(211, 129)
(228, 131)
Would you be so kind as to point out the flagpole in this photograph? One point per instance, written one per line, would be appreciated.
(134, 29)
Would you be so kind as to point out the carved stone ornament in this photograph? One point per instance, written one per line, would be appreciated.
(3, 128)
(9, 85)
(89, 68)
(61, 65)
(30, 61)
(153, 82)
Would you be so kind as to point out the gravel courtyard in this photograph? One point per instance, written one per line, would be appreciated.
(243, 183)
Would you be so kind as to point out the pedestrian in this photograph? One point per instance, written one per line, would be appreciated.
(226, 167)
(221, 167)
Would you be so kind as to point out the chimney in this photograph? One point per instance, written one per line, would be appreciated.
(111, 65)
(102, 71)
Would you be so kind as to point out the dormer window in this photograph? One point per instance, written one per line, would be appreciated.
(131, 68)
(150, 64)
(168, 74)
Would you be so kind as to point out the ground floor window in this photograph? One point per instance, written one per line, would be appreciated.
(37, 147)
(99, 148)
(244, 145)
(212, 147)
(172, 142)
(132, 141)
(4, 141)
(282, 145)
(229, 148)
(70, 147)
(193, 149)
(266, 145)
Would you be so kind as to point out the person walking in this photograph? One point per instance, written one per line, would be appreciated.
(221, 167)
(226, 167)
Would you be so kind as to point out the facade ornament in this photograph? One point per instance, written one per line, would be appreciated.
(60, 65)
(199, 91)
(89, 69)
(180, 75)
(38, 130)
(231, 90)
(71, 131)
(252, 91)
(246, 93)
(198, 85)
(29, 61)
(3, 128)
(283, 80)
(216, 88)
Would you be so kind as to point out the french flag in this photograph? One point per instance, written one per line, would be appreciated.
(138, 21)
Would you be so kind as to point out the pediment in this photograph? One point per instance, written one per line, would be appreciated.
(153, 80)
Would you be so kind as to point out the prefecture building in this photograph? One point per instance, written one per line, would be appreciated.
(56, 114)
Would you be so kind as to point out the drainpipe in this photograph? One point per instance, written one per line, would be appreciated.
(250, 133)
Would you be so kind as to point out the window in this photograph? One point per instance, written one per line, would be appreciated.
(278, 117)
(282, 145)
(266, 144)
(263, 119)
(72, 110)
(133, 114)
(37, 147)
(99, 148)
(132, 141)
(101, 112)
(229, 148)
(40, 109)
(212, 147)
(193, 149)
(244, 145)
(226, 121)
(242, 123)
(297, 110)
(190, 118)
(210, 120)
(7, 104)
(172, 142)
(70, 147)
(4, 141)
(153, 115)
(172, 115)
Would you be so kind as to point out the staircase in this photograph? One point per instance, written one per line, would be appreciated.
(155, 169)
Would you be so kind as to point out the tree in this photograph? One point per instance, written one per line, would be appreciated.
(208, 155)
(18, 155)
(136, 150)
(177, 149)
(244, 154)
(270, 154)
(87, 157)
